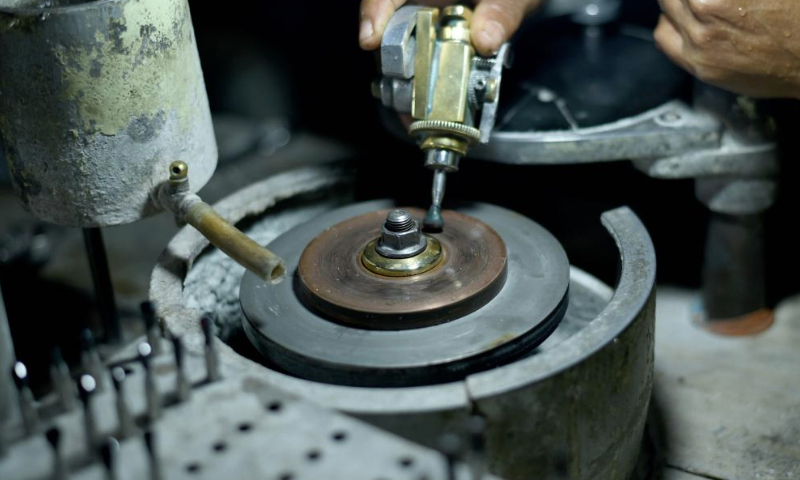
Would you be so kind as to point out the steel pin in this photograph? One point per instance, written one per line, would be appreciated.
(109, 451)
(27, 404)
(90, 359)
(152, 454)
(433, 221)
(450, 445)
(87, 386)
(53, 436)
(151, 389)
(212, 356)
(183, 388)
(62, 381)
(124, 417)
(476, 426)
(152, 329)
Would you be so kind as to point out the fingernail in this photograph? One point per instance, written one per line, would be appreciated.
(365, 31)
(492, 36)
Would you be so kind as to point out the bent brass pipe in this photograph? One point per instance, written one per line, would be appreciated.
(189, 208)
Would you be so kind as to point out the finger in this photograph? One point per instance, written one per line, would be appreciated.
(496, 20)
(375, 14)
(671, 42)
(677, 11)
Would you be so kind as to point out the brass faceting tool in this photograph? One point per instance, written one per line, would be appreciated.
(431, 71)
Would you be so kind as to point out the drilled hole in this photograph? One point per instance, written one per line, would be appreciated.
(339, 436)
(220, 447)
(193, 468)
(274, 406)
(406, 462)
(313, 455)
(245, 427)
(286, 476)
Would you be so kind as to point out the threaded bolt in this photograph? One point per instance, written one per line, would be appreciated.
(399, 221)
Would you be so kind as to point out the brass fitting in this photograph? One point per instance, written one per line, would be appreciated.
(189, 208)
(441, 83)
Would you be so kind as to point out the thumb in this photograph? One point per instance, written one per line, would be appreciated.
(496, 20)
(375, 14)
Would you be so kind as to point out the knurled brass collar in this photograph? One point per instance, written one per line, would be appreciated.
(402, 267)
(443, 127)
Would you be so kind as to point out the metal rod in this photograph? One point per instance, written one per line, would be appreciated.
(151, 327)
(734, 267)
(152, 454)
(103, 289)
(62, 381)
(212, 356)
(86, 388)
(183, 388)
(433, 219)
(450, 445)
(124, 417)
(27, 403)
(151, 389)
(53, 436)
(9, 410)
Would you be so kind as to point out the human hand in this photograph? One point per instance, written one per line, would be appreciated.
(748, 47)
(492, 25)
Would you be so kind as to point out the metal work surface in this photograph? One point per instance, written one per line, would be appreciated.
(333, 277)
(96, 100)
(727, 408)
(605, 339)
(238, 426)
(523, 313)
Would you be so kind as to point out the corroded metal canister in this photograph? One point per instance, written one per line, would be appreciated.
(97, 98)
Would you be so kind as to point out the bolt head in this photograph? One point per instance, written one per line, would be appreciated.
(401, 236)
(400, 240)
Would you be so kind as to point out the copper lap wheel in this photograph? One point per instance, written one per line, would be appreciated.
(333, 280)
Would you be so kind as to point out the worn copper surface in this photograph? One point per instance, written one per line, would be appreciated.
(333, 281)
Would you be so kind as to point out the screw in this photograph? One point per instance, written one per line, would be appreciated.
(399, 221)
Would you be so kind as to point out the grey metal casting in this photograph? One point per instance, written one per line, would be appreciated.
(96, 100)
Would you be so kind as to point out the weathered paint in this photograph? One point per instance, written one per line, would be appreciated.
(96, 100)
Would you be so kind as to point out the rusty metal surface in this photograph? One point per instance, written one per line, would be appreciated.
(333, 280)
(96, 100)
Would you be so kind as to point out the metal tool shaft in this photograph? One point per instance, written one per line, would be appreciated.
(124, 417)
(433, 219)
(103, 289)
(62, 381)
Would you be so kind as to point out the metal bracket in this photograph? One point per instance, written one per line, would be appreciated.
(398, 46)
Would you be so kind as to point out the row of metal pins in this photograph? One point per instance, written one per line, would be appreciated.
(89, 384)
(451, 445)
(108, 452)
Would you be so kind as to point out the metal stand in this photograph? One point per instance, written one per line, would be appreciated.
(8, 400)
(103, 290)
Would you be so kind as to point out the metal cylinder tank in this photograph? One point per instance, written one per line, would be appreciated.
(97, 98)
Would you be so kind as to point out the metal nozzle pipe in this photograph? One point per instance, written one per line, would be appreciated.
(234, 243)
(189, 208)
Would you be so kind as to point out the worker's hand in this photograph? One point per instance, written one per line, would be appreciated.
(492, 25)
(745, 46)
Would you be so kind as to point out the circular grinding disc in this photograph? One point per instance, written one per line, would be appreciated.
(333, 280)
(309, 345)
